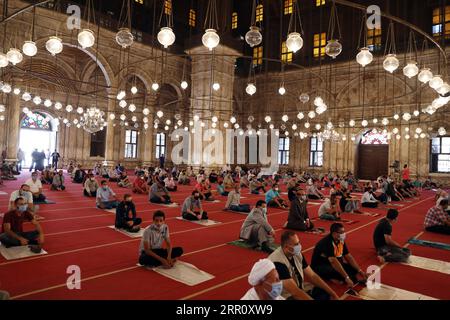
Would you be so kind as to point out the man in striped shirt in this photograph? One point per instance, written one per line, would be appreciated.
(437, 219)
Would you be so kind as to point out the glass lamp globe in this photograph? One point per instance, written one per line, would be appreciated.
(233, 120)
(132, 107)
(364, 123)
(391, 63)
(3, 60)
(16, 91)
(124, 38)
(26, 96)
(300, 116)
(318, 126)
(282, 90)
(321, 109)
(285, 118)
(166, 37)
(318, 101)
(216, 86)
(86, 38)
(311, 114)
(294, 127)
(418, 130)
(304, 98)
(251, 119)
(145, 120)
(121, 95)
(155, 86)
(396, 116)
(226, 125)
(364, 57)
(375, 121)
(54, 45)
(407, 137)
(416, 113)
(406, 116)
(37, 100)
(69, 108)
(29, 48)
(146, 111)
(14, 56)
(307, 125)
(214, 119)
(250, 89)
(294, 42)
(196, 118)
(385, 121)
(444, 89)
(134, 118)
(271, 126)
(253, 37)
(58, 105)
(436, 82)
(352, 123)
(48, 103)
(134, 90)
(333, 48)
(159, 114)
(210, 39)
(7, 88)
(425, 75)
(168, 122)
(122, 103)
(184, 85)
(2, 108)
(411, 69)
(267, 119)
(122, 117)
(442, 131)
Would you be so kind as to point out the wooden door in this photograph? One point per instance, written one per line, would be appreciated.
(373, 161)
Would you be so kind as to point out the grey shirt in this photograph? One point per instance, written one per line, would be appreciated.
(191, 204)
(154, 237)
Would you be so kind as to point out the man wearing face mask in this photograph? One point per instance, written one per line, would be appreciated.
(106, 198)
(139, 185)
(12, 232)
(256, 230)
(331, 259)
(90, 186)
(273, 198)
(265, 282)
(58, 182)
(298, 218)
(126, 215)
(159, 193)
(23, 192)
(192, 208)
(293, 269)
(35, 188)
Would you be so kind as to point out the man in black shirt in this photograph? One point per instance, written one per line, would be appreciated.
(293, 268)
(387, 249)
(298, 218)
(126, 215)
(332, 261)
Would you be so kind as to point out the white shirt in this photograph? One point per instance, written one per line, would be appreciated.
(324, 207)
(34, 186)
(25, 194)
(252, 295)
(368, 197)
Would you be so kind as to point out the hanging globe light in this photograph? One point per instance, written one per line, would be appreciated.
(134, 90)
(196, 118)
(3, 60)
(294, 127)
(416, 113)
(184, 85)
(442, 131)
(233, 120)
(124, 38)
(2, 108)
(159, 114)
(294, 42)
(436, 82)
(16, 91)
(216, 86)
(285, 118)
(304, 98)
(37, 100)
(411, 69)
(385, 121)
(419, 130)
(352, 123)
(48, 103)
(168, 122)
(226, 125)
(311, 114)
(6, 88)
(69, 108)
(132, 107)
(58, 105)
(375, 121)
(253, 37)
(307, 125)
(26, 96)
(146, 111)
(250, 89)
(121, 95)
(282, 90)
(364, 57)
(300, 116)
(364, 123)
(407, 137)
(318, 126)
(333, 48)
(122, 117)
(444, 89)
(391, 63)
(166, 37)
(210, 39)
(396, 116)
(122, 103)
(14, 56)
(425, 75)
(86, 38)
(54, 45)
(267, 119)
(155, 86)
(29, 48)
(406, 116)
(321, 109)
(251, 119)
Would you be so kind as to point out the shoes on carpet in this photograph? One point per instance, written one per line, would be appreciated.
(35, 248)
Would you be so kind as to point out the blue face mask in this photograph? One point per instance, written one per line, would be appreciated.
(22, 208)
(297, 249)
(277, 289)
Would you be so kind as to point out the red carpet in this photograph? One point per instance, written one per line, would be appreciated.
(77, 234)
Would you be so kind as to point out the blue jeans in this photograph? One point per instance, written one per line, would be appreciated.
(240, 208)
(109, 205)
(8, 241)
(327, 216)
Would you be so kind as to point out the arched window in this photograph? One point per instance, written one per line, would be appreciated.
(374, 138)
(36, 120)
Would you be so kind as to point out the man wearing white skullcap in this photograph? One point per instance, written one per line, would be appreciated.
(266, 284)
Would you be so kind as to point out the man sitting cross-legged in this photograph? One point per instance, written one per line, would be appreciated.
(58, 182)
(204, 189)
(331, 259)
(349, 204)
(140, 185)
(387, 249)
(12, 231)
(126, 215)
(368, 199)
(192, 208)
(266, 284)
(298, 218)
(159, 193)
(255, 186)
(329, 210)
(151, 251)
(90, 186)
(293, 270)
(23, 192)
(437, 219)
(234, 201)
(313, 192)
(273, 198)
(106, 198)
(256, 230)
(35, 188)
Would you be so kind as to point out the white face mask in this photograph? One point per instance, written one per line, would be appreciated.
(342, 237)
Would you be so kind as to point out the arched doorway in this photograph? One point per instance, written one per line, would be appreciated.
(37, 131)
(373, 155)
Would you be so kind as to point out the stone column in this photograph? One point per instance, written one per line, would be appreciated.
(13, 120)
(109, 149)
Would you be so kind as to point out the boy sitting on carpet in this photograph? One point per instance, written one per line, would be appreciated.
(126, 215)
(106, 198)
(12, 232)
(151, 252)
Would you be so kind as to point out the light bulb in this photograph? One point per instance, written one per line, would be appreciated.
(391, 63)
(86, 38)
(29, 48)
(184, 85)
(425, 75)
(253, 37)
(281, 90)
(134, 90)
(294, 42)
(411, 70)
(54, 45)
(364, 57)
(436, 82)
(14, 56)
(250, 89)
(210, 39)
(216, 86)
(166, 37)
(155, 86)
(333, 48)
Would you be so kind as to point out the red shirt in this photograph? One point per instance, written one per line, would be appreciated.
(405, 174)
(16, 220)
(138, 182)
(200, 187)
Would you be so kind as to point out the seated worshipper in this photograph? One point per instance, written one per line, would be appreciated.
(170, 183)
(106, 198)
(126, 215)
(266, 284)
(79, 174)
(113, 175)
(183, 178)
(368, 200)
(70, 167)
(349, 204)
(58, 182)
(23, 192)
(256, 230)
(313, 192)
(104, 172)
(437, 219)
(441, 195)
(273, 198)
(151, 251)
(47, 176)
(159, 193)
(293, 270)
(387, 249)
(429, 184)
(298, 218)
(139, 185)
(124, 182)
(35, 188)
(329, 210)
(192, 208)
(90, 186)
(12, 231)
(234, 201)
(213, 176)
(331, 259)
(228, 182)
(221, 189)
(204, 190)
(255, 186)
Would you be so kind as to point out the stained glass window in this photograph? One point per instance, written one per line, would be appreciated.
(36, 120)
(372, 137)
